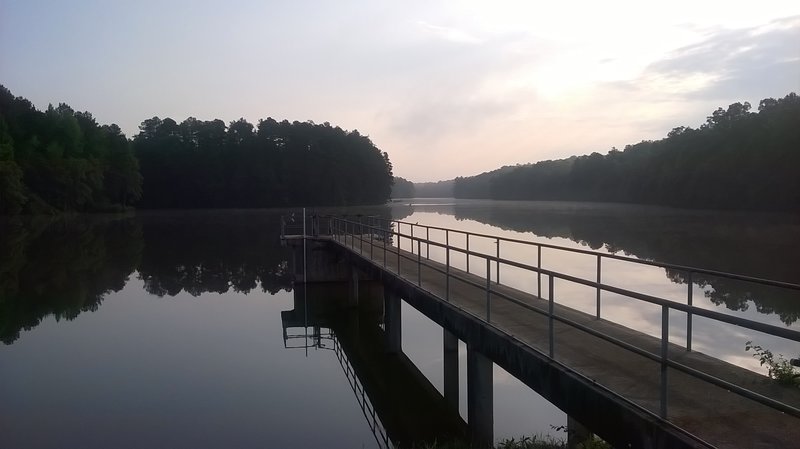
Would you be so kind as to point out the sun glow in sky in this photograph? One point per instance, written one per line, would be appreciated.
(446, 88)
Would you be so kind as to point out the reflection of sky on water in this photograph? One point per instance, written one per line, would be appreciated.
(183, 371)
(708, 336)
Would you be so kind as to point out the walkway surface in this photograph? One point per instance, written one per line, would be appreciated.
(717, 416)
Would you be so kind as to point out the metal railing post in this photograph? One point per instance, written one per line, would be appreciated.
(428, 242)
(361, 235)
(497, 280)
(488, 289)
(398, 248)
(598, 286)
(550, 307)
(447, 261)
(412, 239)
(689, 314)
(664, 357)
(419, 263)
(385, 238)
(467, 252)
(539, 273)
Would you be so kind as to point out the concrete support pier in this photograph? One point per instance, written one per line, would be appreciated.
(577, 433)
(392, 321)
(480, 398)
(450, 347)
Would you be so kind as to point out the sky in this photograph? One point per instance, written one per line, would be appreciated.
(446, 88)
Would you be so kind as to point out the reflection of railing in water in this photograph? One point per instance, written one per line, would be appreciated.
(319, 337)
(358, 236)
(363, 399)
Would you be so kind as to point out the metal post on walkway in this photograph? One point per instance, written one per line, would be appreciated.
(689, 314)
(419, 263)
(539, 273)
(488, 289)
(498, 262)
(428, 242)
(412, 239)
(664, 357)
(398, 249)
(447, 261)
(467, 252)
(550, 318)
(598, 286)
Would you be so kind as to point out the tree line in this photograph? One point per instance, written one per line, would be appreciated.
(62, 160)
(59, 159)
(736, 160)
(198, 164)
(403, 188)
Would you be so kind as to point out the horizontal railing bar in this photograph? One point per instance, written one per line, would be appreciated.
(734, 276)
(749, 394)
(711, 314)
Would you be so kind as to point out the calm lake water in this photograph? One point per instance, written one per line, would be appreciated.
(164, 329)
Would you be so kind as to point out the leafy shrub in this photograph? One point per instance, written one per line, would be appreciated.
(778, 368)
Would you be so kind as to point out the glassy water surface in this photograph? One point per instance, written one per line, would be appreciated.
(165, 329)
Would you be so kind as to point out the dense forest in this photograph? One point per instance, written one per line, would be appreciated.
(403, 188)
(61, 160)
(736, 160)
(197, 164)
(439, 189)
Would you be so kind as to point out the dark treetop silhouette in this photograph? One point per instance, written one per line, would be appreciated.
(736, 160)
(62, 160)
(198, 164)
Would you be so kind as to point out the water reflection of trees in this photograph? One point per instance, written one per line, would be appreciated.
(61, 267)
(760, 245)
(214, 252)
(65, 266)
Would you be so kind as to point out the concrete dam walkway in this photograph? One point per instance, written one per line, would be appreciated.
(632, 389)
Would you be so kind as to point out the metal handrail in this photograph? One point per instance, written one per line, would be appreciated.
(678, 267)
(666, 304)
(718, 316)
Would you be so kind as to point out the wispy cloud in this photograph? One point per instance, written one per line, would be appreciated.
(450, 34)
(734, 63)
